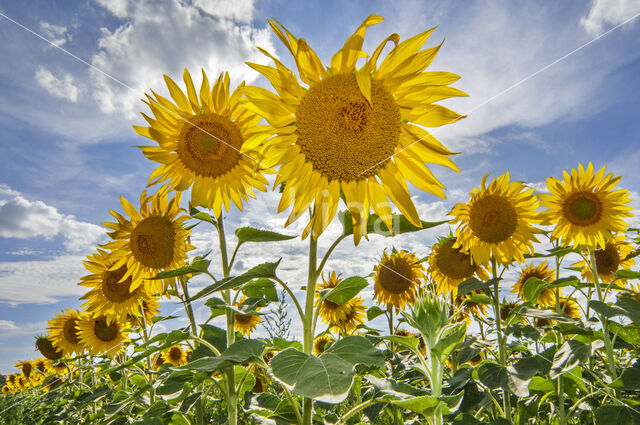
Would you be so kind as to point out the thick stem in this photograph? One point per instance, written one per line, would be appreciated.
(307, 328)
(603, 319)
(501, 341)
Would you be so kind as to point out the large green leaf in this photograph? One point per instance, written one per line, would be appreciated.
(197, 266)
(346, 290)
(616, 415)
(514, 378)
(242, 351)
(374, 312)
(357, 350)
(262, 287)
(250, 234)
(568, 356)
(449, 340)
(473, 284)
(214, 336)
(375, 225)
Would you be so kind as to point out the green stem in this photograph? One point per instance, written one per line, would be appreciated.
(561, 409)
(294, 404)
(501, 343)
(187, 306)
(307, 328)
(145, 338)
(356, 409)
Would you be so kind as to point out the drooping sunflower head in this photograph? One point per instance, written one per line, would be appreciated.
(584, 208)
(26, 367)
(246, 323)
(176, 356)
(41, 365)
(321, 343)
(329, 311)
(355, 313)
(356, 131)
(102, 336)
(150, 241)
(46, 348)
(609, 260)
(507, 308)
(398, 276)
(449, 266)
(497, 221)
(540, 271)
(63, 332)
(207, 141)
(569, 307)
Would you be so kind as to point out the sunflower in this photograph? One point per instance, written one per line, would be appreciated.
(6, 389)
(609, 260)
(585, 209)
(542, 272)
(46, 348)
(397, 278)
(150, 307)
(355, 132)
(26, 367)
(149, 241)
(176, 356)
(246, 323)
(466, 309)
(157, 360)
(59, 368)
(497, 221)
(110, 294)
(449, 266)
(329, 311)
(63, 331)
(207, 142)
(102, 336)
(508, 307)
(320, 344)
(569, 307)
(354, 316)
(42, 365)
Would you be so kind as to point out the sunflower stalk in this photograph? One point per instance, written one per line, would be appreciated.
(501, 341)
(307, 407)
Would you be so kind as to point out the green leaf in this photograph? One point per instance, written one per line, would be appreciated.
(615, 415)
(629, 380)
(568, 356)
(392, 387)
(540, 384)
(514, 379)
(406, 341)
(280, 344)
(425, 405)
(449, 340)
(547, 314)
(199, 265)
(242, 351)
(265, 270)
(346, 290)
(175, 382)
(250, 234)
(627, 274)
(214, 336)
(202, 216)
(472, 284)
(357, 350)
(374, 312)
(533, 287)
(375, 225)
(630, 333)
(262, 287)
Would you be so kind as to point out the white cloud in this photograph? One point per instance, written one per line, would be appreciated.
(63, 87)
(117, 7)
(605, 13)
(7, 325)
(239, 10)
(164, 38)
(24, 219)
(56, 34)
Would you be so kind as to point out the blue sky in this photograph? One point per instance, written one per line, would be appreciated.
(549, 87)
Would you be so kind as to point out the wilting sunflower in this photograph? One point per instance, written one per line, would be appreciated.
(569, 307)
(46, 348)
(355, 312)
(355, 131)
(329, 311)
(320, 344)
(102, 336)
(246, 323)
(397, 278)
(585, 209)
(542, 272)
(449, 266)
(63, 331)
(149, 241)
(206, 141)
(497, 221)
(26, 367)
(609, 260)
(176, 356)
(111, 295)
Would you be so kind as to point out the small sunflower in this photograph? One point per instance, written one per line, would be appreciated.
(102, 336)
(42, 365)
(569, 307)
(63, 331)
(609, 260)
(585, 209)
(59, 368)
(329, 311)
(355, 132)
(176, 356)
(46, 348)
(110, 294)
(542, 272)
(466, 310)
(6, 389)
(320, 344)
(449, 266)
(354, 316)
(508, 307)
(157, 360)
(397, 278)
(497, 221)
(150, 307)
(150, 241)
(246, 323)
(206, 142)
(26, 367)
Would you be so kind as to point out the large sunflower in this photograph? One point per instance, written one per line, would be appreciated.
(497, 221)
(110, 294)
(609, 260)
(355, 312)
(352, 131)
(63, 331)
(207, 141)
(149, 241)
(46, 348)
(585, 209)
(397, 278)
(176, 356)
(542, 272)
(449, 266)
(329, 311)
(102, 336)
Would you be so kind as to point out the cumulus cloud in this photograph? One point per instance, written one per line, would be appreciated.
(7, 325)
(605, 13)
(167, 36)
(63, 86)
(57, 35)
(23, 219)
(117, 7)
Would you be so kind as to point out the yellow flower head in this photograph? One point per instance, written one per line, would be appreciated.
(356, 131)
(320, 344)
(465, 309)
(150, 241)
(26, 367)
(246, 323)
(329, 311)
(584, 208)
(497, 221)
(6, 389)
(63, 331)
(542, 272)
(355, 312)
(449, 266)
(206, 141)
(176, 356)
(397, 278)
(101, 336)
(569, 307)
(609, 260)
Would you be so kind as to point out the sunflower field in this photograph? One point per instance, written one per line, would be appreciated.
(438, 342)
